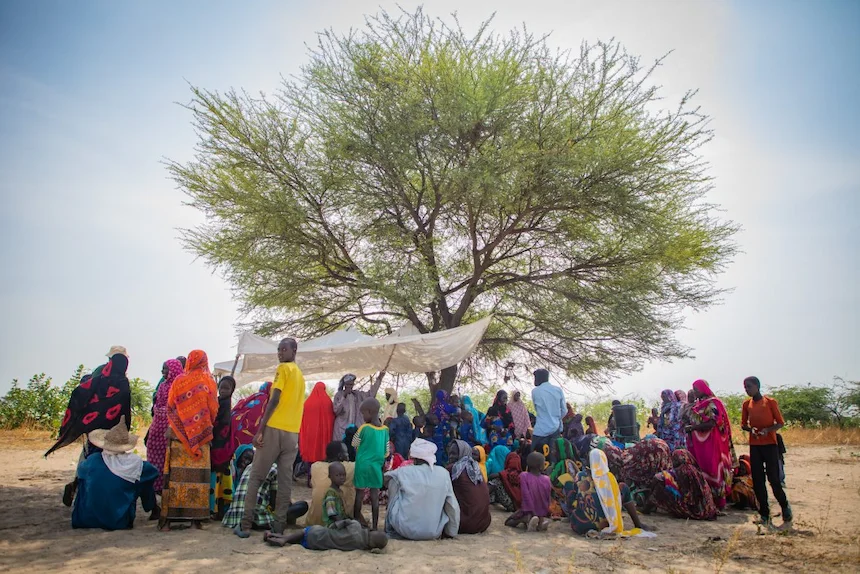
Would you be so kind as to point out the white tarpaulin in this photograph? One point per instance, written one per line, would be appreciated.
(348, 351)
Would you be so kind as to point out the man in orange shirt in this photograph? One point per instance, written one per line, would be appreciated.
(761, 418)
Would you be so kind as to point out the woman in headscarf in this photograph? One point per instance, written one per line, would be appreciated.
(156, 449)
(687, 415)
(192, 407)
(710, 442)
(499, 410)
(669, 424)
(682, 399)
(496, 460)
(480, 456)
(443, 411)
(97, 403)
(682, 491)
(317, 425)
(592, 427)
(572, 422)
(477, 420)
(510, 479)
(593, 500)
(520, 415)
(247, 414)
(221, 452)
(470, 488)
(390, 411)
(642, 461)
(263, 517)
(743, 493)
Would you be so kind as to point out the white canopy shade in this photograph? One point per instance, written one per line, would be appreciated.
(348, 351)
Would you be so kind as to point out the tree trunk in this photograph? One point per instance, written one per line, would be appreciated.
(446, 379)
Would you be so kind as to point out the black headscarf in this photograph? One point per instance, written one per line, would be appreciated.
(97, 403)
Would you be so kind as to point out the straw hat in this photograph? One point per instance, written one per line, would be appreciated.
(117, 350)
(117, 439)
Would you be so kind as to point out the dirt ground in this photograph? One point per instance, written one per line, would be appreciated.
(823, 487)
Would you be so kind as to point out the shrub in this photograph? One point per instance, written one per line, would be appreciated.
(42, 405)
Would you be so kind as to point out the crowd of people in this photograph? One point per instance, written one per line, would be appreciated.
(439, 473)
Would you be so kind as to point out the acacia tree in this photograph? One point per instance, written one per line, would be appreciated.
(414, 173)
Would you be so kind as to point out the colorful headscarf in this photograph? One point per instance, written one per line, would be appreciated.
(496, 460)
(442, 408)
(520, 414)
(466, 462)
(510, 478)
(687, 484)
(97, 402)
(192, 405)
(236, 456)
(704, 404)
(681, 396)
(482, 461)
(317, 425)
(477, 419)
(592, 428)
(247, 415)
(609, 495)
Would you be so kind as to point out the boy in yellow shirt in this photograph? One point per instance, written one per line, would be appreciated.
(277, 441)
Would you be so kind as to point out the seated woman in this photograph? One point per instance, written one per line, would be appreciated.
(594, 500)
(743, 494)
(421, 503)
(505, 486)
(683, 491)
(110, 482)
(470, 488)
(335, 451)
(243, 460)
(642, 461)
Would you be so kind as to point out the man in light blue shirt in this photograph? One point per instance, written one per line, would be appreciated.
(550, 408)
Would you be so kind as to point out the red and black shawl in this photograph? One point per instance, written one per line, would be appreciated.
(97, 403)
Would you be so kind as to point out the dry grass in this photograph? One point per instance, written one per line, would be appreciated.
(32, 436)
(800, 436)
(722, 555)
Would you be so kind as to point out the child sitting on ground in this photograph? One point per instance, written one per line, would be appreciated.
(335, 451)
(371, 450)
(343, 535)
(536, 490)
(333, 508)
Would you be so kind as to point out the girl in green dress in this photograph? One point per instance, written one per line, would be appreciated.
(371, 449)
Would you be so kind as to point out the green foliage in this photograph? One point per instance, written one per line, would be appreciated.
(42, 405)
(804, 405)
(734, 404)
(35, 405)
(418, 173)
(141, 399)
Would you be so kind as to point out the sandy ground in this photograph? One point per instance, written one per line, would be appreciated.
(824, 488)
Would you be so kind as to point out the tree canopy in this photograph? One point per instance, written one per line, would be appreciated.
(416, 173)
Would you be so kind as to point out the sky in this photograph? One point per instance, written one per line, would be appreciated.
(89, 95)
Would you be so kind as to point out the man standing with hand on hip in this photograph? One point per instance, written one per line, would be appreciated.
(277, 441)
(761, 418)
